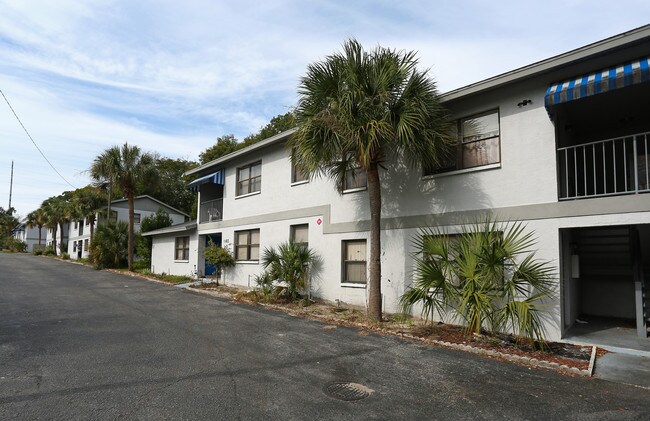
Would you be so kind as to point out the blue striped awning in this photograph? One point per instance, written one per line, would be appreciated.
(216, 178)
(605, 80)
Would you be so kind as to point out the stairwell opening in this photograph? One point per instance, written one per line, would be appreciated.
(604, 293)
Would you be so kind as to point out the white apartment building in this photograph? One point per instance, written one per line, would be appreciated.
(561, 144)
(49, 238)
(29, 235)
(78, 234)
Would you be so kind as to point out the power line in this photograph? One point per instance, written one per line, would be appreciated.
(30, 138)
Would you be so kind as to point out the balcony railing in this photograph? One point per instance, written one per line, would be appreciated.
(604, 168)
(211, 211)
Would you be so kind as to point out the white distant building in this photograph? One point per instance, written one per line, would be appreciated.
(561, 144)
(78, 243)
(29, 235)
(60, 247)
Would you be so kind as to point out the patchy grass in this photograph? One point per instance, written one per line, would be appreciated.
(172, 279)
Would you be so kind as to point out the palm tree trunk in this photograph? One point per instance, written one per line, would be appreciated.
(54, 238)
(61, 236)
(131, 233)
(40, 227)
(374, 196)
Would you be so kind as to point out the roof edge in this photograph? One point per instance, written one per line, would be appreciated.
(185, 226)
(549, 64)
(255, 146)
(142, 196)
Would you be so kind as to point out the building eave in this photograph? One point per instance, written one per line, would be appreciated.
(146, 196)
(186, 226)
(252, 148)
(556, 62)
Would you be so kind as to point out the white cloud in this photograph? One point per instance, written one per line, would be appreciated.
(171, 76)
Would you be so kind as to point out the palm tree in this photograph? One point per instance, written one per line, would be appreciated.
(38, 219)
(86, 202)
(289, 262)
(357, 109)
(54, 211)
(488, 275)
(124, 166)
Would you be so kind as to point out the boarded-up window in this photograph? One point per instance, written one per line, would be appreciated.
(354, 261)
(355, 179)
(249, 179)
(478, 143)
(300, 234)
(247, 245)
(182, 248)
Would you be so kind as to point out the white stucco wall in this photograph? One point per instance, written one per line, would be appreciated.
(522, 187)
(122, 210)
(30, 236)
(163, 255)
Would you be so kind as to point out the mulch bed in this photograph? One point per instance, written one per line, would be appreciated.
(568, 355)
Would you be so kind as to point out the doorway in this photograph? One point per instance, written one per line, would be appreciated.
(210, 269)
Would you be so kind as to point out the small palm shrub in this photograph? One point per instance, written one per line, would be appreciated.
(48, 251)
(287, 267)
(65, 256)
(487, 275)
(109, 245)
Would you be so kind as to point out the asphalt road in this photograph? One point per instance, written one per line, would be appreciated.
(76, 343)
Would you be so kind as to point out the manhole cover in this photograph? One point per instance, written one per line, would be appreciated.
(347, 391)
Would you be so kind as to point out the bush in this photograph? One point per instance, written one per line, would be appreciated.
(287, 268)
(38, 252)
(221, 257)
(487, 275)
(109, 246)
(48, 251)
(14, 245)
(65, 256)
(141, 265)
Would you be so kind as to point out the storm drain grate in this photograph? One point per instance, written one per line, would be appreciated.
(346, 391)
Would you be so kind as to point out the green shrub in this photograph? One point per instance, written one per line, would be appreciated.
(109, 246)
(221, 257)
(140, 265)
(14, 245)
(48, 251)
(287, 268)
(488, 275)
(65, 256)
(38, 252)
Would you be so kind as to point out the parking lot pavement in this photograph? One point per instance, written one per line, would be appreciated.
(76, 343)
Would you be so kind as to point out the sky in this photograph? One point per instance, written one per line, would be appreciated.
(173, 76)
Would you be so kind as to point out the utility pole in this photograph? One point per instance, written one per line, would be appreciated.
(11, 186)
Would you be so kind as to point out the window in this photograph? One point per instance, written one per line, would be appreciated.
(299, 234)
(136, 218)
(74, 246)
(247, 245)
(478, 143)
(297, 176)
(113, 216)
(355, 179)
(354, 261)
(75, 224)
(182, 248)
(249, 179)
(86, 244)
